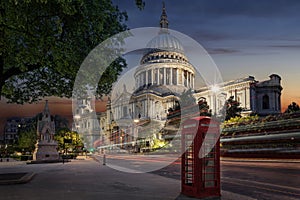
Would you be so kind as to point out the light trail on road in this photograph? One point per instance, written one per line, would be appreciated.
(262, 185)
(258, 179)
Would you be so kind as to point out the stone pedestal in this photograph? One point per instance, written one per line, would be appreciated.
(45, 151)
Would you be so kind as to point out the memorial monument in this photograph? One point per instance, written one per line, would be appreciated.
(46, 146)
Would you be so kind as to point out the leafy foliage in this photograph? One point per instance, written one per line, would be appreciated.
(238, 121)
(203, 107)
(65, 134)
(27, 136)
(232, 108)
(293, 107)
(43, 43)
(27, 140)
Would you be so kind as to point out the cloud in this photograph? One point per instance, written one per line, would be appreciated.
(286, 46)
(222, 51)
(209, 35)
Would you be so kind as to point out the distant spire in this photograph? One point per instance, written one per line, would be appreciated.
(163, 18)
(46, 109)
(46, 112)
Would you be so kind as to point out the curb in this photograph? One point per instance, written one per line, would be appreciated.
(24, 179)
(261, 160)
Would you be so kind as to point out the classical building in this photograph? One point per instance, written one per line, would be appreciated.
(257, 97)
(86, 122)
(46, 146)
(163, 74)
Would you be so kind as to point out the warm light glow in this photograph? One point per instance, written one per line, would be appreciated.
(215, 88)
(77, 116)
(136, 120)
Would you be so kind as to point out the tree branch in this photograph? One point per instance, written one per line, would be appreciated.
(16, 71)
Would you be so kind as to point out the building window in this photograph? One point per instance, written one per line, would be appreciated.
(161, 76)
(168, 73)
(155, 76)
(143, 78)
(149, 76)
(266, 104)
(174, 76)
(125, 111)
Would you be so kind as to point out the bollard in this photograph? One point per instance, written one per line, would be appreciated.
(1, 160)
(7, 159)
(104, 159)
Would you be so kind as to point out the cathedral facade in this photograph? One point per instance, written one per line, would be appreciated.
(163, 74)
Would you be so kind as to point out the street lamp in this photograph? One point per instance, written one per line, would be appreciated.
(215, 89)
(135, 133)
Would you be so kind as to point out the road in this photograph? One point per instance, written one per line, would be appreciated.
(262, 180)
(276, 180)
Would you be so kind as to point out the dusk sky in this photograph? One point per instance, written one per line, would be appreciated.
(256, 38)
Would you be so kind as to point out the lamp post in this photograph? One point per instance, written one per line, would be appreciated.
(215, 89)
(134, 131)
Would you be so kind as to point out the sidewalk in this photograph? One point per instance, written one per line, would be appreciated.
(86, 179)
(232, 159)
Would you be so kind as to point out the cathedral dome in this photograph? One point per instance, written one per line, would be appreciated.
(165, 41)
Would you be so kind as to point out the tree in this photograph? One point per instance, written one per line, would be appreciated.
(43, 43)
(293, 107)
(27, 140)
(64, 135)
(187, 99)
(232, 108)
(27, 136)
(203, 107)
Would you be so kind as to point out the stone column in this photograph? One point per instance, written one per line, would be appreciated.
(193, 80)
(165, 76)
(177, 77)
(152, 77)
(190, 82)
(157, 76)
(171, 76)
(147, 81)
(182, 77)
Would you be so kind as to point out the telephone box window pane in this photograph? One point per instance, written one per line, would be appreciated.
(209, 184)
(209, 176)
(210, 163)
(189, 159)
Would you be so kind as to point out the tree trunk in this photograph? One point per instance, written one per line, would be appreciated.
(1, 75)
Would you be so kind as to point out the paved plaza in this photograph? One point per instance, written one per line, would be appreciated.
(89, 179)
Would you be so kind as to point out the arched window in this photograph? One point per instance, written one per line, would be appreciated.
(265, 103)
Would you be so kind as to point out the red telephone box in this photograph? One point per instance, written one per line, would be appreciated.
(200, 170)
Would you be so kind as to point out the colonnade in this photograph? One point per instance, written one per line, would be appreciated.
(165, 76)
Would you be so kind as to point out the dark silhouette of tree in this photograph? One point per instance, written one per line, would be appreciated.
(293, 107)
(203, 107)
(43, 44)
(27, 135)
(232, 108)
(187, 99)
